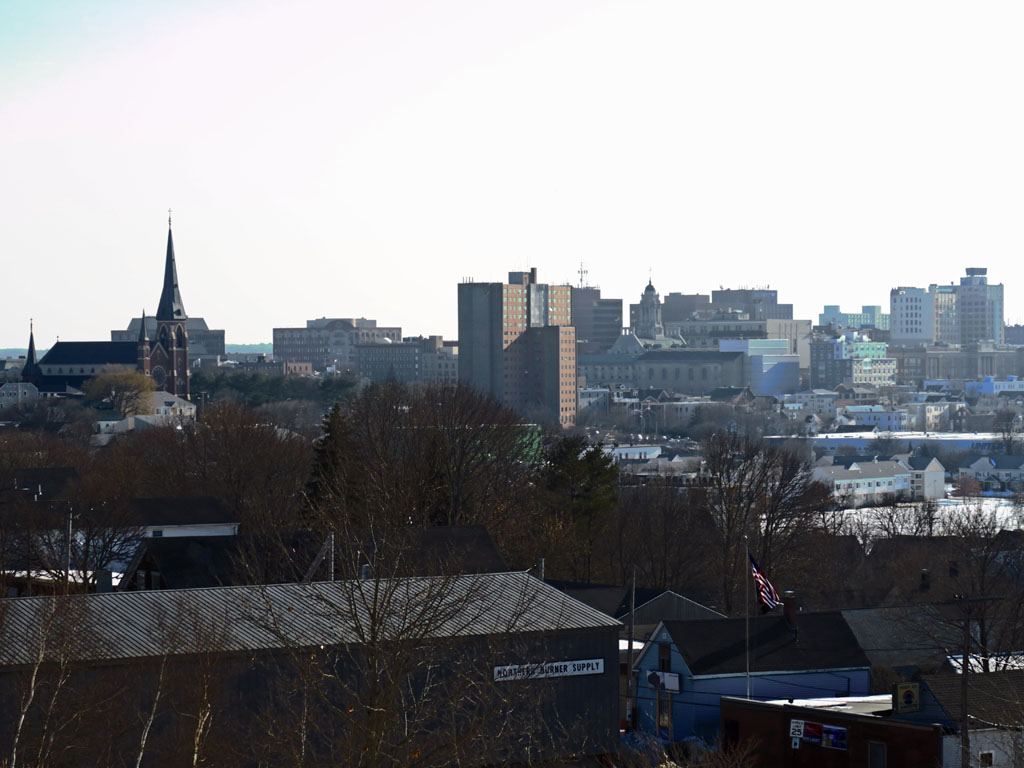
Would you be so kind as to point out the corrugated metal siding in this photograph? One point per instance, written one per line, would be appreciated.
(140, 624)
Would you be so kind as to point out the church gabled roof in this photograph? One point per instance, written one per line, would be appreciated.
(91, 353)
(171, 306)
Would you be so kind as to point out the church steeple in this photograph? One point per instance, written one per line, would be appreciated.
(31, 358)
(31, 370)
(168, 354)
(170, 307)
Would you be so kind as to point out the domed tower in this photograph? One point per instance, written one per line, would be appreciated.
(169, 351)
(649, 325)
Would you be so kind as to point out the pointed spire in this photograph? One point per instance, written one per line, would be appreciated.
(31, 370)
(30, 358)
(143, 336)
(170, 307)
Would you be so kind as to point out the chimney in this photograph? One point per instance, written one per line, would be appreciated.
(789, 609)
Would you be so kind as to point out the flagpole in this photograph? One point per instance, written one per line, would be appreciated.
(746, 609)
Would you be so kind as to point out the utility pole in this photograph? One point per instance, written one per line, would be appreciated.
(629, 670)
(965, 668)
(67, 564)
(965, 665)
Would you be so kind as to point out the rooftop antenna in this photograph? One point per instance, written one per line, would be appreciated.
(583, 274)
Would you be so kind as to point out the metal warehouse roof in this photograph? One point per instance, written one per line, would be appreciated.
(125, 625)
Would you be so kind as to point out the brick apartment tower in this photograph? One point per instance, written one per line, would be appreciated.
(168, 355)
(517, 343)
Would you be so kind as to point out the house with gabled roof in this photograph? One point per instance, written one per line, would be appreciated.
(996, 472)
(686, 667)
(866, 482)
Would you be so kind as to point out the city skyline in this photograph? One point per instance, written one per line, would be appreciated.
(314, 153)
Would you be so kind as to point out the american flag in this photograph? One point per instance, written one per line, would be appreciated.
(765, 590)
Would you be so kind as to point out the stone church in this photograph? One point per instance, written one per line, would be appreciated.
(67, 365)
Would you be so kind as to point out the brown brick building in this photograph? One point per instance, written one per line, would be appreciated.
(517, 343)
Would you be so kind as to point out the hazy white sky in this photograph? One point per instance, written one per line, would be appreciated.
(351, 158)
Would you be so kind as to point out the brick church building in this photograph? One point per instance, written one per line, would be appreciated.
(68, 364)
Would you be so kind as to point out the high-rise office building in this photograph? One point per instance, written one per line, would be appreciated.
(979, 308)
(598, 321)
(683, 306)
(911, 316)
(947, 327)
(517, 343)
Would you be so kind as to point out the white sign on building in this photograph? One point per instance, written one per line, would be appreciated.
(550, 669)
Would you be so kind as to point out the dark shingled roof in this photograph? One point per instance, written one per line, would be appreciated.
(718, 646)
(911, 636)
(997, 461)
(993, 699)
(92, 353)
(608, 598)
(920, 463)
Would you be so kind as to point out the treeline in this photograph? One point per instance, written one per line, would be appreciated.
(411, 458)
(256, 389)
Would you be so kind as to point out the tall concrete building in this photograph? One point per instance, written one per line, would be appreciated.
(683, 306)
(598, 321)
(912, 316)
(968, 313)
(517, 343)
(979, 308)
(947, 326)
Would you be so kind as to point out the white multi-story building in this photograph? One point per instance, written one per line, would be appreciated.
(868, 482)
(887, 420)
(820, 401)
(911, 317)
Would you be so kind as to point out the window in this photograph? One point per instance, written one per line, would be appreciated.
(876, 754)
(664, 657)
(158, 534)
(986, 759)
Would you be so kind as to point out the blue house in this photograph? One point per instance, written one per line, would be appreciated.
(687, 666)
